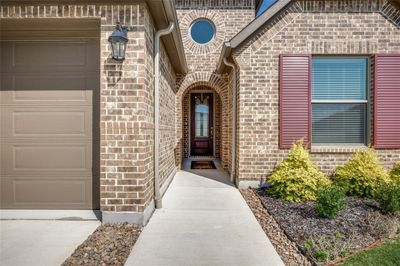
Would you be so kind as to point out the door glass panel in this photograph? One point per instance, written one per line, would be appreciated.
(201, 116)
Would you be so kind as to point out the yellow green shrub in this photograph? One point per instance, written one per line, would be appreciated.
(296, 178)
(361, 175)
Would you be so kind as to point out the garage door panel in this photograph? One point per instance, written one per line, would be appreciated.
(61, 193)
(36, 56)
(35, 158)
(51, 54)
(55, 123)
(59, 88)
(47, 93)
(46, 122)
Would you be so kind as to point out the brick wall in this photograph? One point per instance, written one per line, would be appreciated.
(228, 21)
(126, 102)
(305, 27)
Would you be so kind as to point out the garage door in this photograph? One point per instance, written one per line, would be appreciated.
(49, 129)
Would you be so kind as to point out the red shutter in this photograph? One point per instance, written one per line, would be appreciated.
(294, 99)
(387, 101)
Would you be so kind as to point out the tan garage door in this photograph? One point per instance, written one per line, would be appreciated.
(49, 85)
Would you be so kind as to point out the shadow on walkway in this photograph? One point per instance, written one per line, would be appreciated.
(219, 174)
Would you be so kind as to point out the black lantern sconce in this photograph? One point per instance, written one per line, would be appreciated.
(118, 40)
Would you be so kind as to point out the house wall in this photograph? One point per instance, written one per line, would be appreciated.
(305, 27)
(126, 105)
(229, 17)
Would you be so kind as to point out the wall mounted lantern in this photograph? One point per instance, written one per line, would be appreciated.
(118, 40)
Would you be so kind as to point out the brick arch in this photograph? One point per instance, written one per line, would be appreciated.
(216, 83)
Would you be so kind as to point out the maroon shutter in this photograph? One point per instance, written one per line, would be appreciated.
(387, 101)
(294, 99)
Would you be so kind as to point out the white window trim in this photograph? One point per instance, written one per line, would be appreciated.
(344, 101)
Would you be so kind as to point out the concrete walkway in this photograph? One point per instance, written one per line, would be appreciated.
(204, 221)
(41, 242)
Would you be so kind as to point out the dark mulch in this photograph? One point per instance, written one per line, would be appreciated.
(108, 245)
(356, 227)
(286, 249)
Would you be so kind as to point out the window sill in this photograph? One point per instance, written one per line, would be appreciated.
(337, 149)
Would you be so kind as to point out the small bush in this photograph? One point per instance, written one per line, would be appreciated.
(330, 201)
(321, 255)
(388, 196)
(361, 175)
(296, 178)
(395, 173)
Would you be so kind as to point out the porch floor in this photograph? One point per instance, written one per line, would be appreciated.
(204, 221)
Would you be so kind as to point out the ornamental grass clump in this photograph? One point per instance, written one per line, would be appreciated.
(296, 178)
(361, 175)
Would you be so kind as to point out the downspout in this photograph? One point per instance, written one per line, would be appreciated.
(233, 162)
(168, 30)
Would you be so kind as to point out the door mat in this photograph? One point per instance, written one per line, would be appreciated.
(203, 165)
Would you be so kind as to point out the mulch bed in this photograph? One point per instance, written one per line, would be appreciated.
(286, 249)
(325, 240)
(110, 244)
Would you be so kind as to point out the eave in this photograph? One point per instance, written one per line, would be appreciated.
(163, 12)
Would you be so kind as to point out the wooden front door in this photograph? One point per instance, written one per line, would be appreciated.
(201, 124)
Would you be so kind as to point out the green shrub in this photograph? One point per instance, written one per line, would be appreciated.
(296, 178)
(361, 174)
(395, 172)
(388, 196)
(330, 201)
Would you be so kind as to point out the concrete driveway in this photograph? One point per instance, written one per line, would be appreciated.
(41, 242)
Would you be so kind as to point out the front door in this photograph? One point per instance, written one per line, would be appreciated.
(201, 129)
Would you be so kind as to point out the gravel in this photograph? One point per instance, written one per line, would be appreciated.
(286, 249)
(110, 244)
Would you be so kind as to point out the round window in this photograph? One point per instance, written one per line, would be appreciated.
(202, 31)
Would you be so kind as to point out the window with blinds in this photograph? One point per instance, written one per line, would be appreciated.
(339, 100)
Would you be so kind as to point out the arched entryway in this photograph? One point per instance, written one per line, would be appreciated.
(212, 91)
